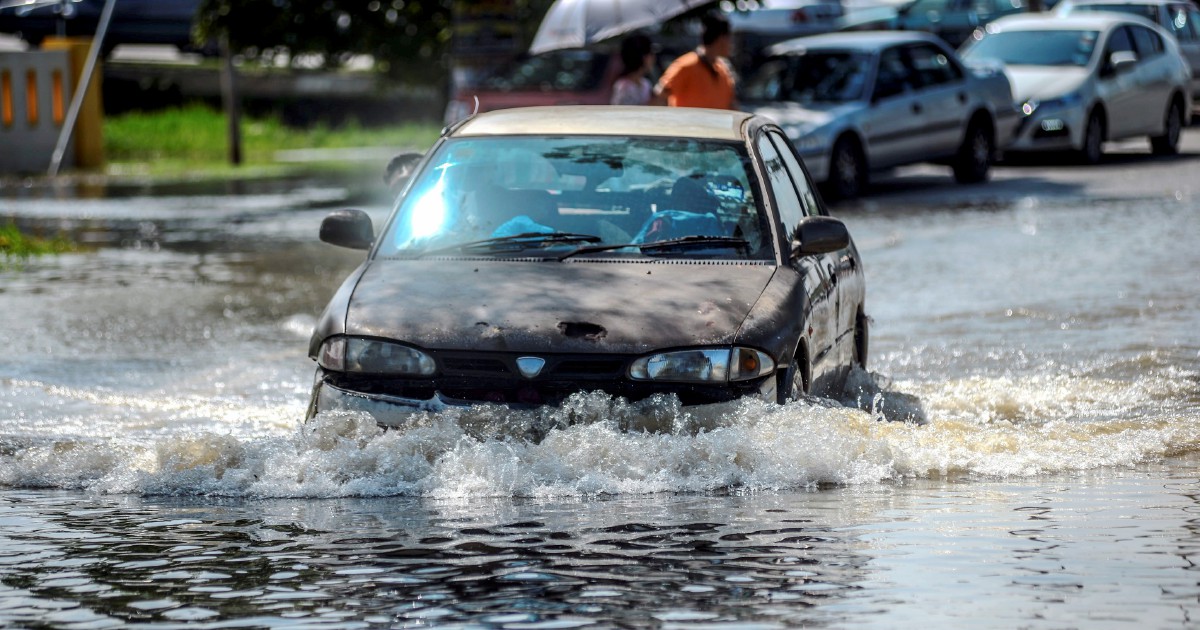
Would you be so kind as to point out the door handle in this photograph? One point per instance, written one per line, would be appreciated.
(916, 108)
(962, 97)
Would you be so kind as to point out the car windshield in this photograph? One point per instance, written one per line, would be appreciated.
(1035, 48)
(558, 71)
(813, 77)
(547, 197)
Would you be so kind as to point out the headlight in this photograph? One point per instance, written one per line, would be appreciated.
(715, 365)
(1066, 101)
(370, 356)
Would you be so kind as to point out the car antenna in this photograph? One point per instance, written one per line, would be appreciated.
(455, 125)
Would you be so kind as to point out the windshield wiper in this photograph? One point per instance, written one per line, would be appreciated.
(685, 242)
(516, 242)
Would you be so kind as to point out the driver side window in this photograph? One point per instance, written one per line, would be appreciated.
(1118, 42)
(787, 201)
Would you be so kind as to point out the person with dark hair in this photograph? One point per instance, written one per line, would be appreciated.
(396, 173)
(632, 87)
(703, 77)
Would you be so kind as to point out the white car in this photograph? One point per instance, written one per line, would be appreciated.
(1180, 17)
(1082, 80)
(857, 102)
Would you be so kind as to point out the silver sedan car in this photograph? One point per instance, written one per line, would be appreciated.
(860, 101)
(1180, 17)
(1082, 80)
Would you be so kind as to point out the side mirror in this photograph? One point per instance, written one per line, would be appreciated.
(348, 228)
(1121, 61)
(819, 235)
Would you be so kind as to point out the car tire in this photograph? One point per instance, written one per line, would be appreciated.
(1168, 142)
(794, 386)
(974, 159)
(862, 340)
(1093, 140)
(847, 170)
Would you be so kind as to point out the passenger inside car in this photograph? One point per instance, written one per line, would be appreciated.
(501, 188)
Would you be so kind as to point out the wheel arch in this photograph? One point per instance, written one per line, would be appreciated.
(799, 359)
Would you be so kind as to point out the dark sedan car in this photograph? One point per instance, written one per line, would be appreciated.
(540, 252)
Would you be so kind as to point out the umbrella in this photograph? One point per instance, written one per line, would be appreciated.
(579, 23)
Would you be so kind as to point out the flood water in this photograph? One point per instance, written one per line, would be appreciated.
(154, 469)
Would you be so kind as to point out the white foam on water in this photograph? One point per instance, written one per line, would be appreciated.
(595, 444)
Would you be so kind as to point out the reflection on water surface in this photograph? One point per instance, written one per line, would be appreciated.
(881, 556)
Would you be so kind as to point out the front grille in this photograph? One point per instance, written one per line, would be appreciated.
(474, 364)
(587, 368)
(1043, 134)
(494, 377)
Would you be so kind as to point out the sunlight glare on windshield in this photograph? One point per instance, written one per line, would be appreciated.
(429, 213)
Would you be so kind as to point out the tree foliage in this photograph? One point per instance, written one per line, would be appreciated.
(412, 33)
(408, 38)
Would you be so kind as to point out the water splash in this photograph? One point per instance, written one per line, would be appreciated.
(599, 445)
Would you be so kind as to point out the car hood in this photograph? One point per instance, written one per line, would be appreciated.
(1044, 82)
(515, 306)
(798, 120)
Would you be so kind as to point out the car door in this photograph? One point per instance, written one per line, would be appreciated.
(841, 266)
(819, 286)
(1118, 89)
(893, 122)
(1155, 77)
(942, 94)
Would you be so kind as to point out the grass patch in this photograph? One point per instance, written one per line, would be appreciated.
(193, 140)
(16, 244)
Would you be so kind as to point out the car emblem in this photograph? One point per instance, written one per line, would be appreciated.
(530, 366)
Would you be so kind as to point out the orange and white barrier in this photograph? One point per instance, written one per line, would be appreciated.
(35, 91)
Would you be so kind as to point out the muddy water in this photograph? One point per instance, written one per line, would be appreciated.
(153, 470)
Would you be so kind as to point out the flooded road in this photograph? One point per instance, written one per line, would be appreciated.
(153, 469)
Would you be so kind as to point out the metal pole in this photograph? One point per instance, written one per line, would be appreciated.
(85, 80)
(229, 97)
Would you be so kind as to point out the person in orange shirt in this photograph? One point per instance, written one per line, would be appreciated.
(701, 78)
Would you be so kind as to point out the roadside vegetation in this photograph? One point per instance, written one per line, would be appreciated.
(192, 142)
(16, 245)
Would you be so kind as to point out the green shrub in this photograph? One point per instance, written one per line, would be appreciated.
(15, 244)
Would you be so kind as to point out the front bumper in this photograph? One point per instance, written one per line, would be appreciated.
(397, 409)
(1052, 130)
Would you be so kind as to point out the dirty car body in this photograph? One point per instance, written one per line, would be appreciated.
(541, 252)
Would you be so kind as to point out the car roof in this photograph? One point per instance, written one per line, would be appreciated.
(1134, 2)
(1086, 21)
(607, 120)
(866, 41)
